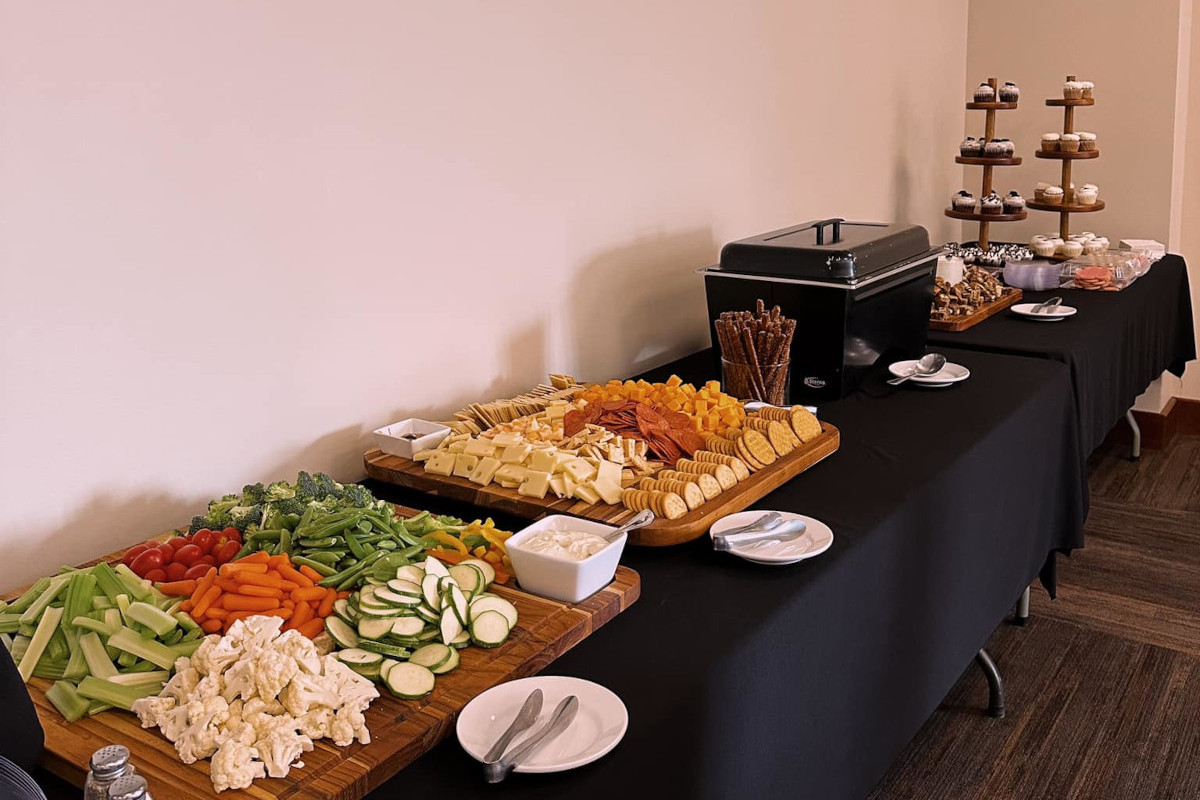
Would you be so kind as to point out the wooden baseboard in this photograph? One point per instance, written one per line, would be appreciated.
(1180, 417)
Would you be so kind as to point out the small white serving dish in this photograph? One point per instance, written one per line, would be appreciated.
(428, 436)
(564, 579)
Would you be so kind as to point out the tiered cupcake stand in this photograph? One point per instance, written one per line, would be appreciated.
(988, 164)
(1068, 206)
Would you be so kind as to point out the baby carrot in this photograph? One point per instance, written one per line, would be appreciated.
(207, 599)
(178, 588)
(202, 585)
(261, 557)
(216, 613)
(228, 584)
(287, 586)
(211, 625)
(326, 607)
(298, 578)
(186, 606)
(315, 593)
(311, 573)
(271, 581)
(240, 602)
(274, 561)
(343, 595)
(233, 567)
(312, 629)
(258, 591)
(302, 614)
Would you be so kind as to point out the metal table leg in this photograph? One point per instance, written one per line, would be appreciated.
(1135, 449)
(995, 684)
(1022, 615)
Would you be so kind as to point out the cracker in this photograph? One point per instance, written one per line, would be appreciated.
(758, 446)
(752, 463)
(806, 426)
(690, 492)
(776, 413)
(740, 470)
(760, 424)
(707, 483)
(780, 436)
(722, 473)
(673, 506)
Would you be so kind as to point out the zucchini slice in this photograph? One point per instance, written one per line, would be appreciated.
(409, 681)
(489, 629)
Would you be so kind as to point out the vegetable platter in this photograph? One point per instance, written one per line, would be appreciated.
(401, 730)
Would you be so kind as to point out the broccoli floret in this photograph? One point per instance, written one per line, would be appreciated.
(199, 522)
(280, 490)
(326, 486)
(245, 516)
(253, 494)
(306, 487)
(289, 506)
(357, 496)
(219, 520)
(224, 504)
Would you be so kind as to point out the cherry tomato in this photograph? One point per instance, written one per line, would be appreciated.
(227, 551)
(133, 553)
(196, 571)
(175, 571)
(167, 551)
(207, 558)
(149, 559)
(177, 542)
(188, 554)
(155, 576)
(205, 539)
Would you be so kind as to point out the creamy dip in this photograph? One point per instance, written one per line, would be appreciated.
(575, 545)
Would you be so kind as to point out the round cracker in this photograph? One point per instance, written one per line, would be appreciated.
(740, 470)
(759, 447)
(751, 462)
(776, 413)
(806, 426)
(673, 505)
(780, 437)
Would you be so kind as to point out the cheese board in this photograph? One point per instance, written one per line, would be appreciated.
(401, 730)
(663, 532)
(955, 324)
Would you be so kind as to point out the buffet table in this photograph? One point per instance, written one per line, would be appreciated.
(1116, 345)
(751, 681)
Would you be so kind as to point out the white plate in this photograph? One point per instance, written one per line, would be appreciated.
(815, 540)
(1056, 314)
(951, 373)
(599, 725)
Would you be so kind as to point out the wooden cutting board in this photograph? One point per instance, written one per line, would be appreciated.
(401, 730)
(1010, 298)
(662, 532)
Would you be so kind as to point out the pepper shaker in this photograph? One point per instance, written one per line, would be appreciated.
(106, 766)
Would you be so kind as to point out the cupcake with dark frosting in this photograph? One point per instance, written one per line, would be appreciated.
(1013, 202)
(985, 94)
(963, 201)
(994, 149)
(992, 204)
(1009, 92)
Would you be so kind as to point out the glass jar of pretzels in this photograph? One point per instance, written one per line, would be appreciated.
(756, 349)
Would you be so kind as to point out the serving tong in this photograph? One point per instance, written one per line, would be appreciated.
(765, 527)
(1047, 306)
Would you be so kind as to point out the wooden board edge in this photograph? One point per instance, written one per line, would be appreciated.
(1010, 299)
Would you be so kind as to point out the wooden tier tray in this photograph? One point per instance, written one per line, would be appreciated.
(1011, 297)
(663, 532)
(977, 161)
(1062, 101)
(401, 730)
(993, 105)
(976, 216)
(1069, 208)
(1059, 155)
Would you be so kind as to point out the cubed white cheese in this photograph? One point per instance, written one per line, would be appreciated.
(608, 471)
(464, 465)
(609, 491)
(541, 460)
(485, 470)
(579, 470)
(535, 484)
(586, 493)
(506, 439)
(480, 447)
(441, 464)
(516, 453)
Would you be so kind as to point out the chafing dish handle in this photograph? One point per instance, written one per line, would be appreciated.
(836, 222)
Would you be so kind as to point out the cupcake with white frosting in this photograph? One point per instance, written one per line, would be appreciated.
(1071, 249)
(1043, 248)
(971, 147)
(1087, 142)
(1013, 202)
(1087, 90)
(1053, 195)
(985, 94)
(1087, 195)
(963, 201)
(991, 204)
(1069, 143)
(1073, 90)
(994, 149)
(1050, 142)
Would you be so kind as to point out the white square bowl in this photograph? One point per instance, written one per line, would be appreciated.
(391, 439)
(562, 578)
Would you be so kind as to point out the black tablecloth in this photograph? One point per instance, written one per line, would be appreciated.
(807, 680)
(1116, 345)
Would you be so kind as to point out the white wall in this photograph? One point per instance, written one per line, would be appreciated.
(237, 236)
(1190, 228)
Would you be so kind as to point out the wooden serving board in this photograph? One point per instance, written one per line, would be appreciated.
(1011, 297)
(401, 730)
(662, 532)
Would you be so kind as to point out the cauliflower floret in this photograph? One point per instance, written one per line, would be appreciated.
(208, 688)
(173, 723)
(196, 743)
(272, 672)
(350, 687)
(215, 654)
(236, 728)
(253, 633)
(279, 748)
(239, 680)
(349, 724)
(180, 687)
(150, 710)
(234, 766)
(304, 692)
(317, 723)
(299, 647)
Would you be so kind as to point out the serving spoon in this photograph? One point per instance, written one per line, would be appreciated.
(928, 364)
(640, 520)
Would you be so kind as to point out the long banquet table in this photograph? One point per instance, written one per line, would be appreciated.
(1115, 346)
(808, 680)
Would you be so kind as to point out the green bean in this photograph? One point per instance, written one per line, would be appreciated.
(285, 543)
(349, 576)
(329, 557)
(325, 542)
(355, 546)
(324, 569)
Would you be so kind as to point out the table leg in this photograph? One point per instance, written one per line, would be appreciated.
(1135, 449)
(1022, 615)
(995, 684)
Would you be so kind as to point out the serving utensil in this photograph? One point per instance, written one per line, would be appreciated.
(563, 716)
(928, 364)
(780, 532)
(764, 525)
(640, 520)
(1053, 302)
(525, 718)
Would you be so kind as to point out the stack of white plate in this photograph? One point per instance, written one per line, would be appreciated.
(948, 375)
(15, 783)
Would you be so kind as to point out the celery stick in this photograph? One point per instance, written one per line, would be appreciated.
(173, 608)
(139, 667)
(77, 666)
(19, 648)
(185, 621)
(37, 645)
(107, 581)
(158, 676)
(155, 652)
(194, 633)
(123, 602)
(95, 707)
(133, 584)
(183, 649)
(7, 641)
(23, 602)
(26, 629)
(112, 620)
(53, 590)
(62, 696)
(9, 623)
(51, 670)
(56, 648)
(101, 602)
(79, 596)
(119, 696)
(98, 662)
(3, 606)
(125, 660)
(89, 624)
(174, 637)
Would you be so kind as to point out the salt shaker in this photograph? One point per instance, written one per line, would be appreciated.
(107, 764)
(129, 787)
